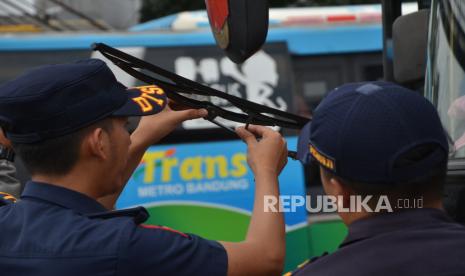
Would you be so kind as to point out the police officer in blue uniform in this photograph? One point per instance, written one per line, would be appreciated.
(383, 141)
(67, 122)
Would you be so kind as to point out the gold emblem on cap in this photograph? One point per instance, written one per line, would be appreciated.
(148, 96)
(322, 158)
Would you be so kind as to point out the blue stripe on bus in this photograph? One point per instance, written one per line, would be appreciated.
(330, 40)
(300, 40)
(83, 41)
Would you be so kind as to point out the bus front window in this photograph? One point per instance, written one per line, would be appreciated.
(445, 77)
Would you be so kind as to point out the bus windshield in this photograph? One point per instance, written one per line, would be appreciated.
(445, 77)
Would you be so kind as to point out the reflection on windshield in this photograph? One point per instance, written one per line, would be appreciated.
(445, 80)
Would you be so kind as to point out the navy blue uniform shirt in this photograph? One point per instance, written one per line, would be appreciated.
(413, 242)
(56, 231)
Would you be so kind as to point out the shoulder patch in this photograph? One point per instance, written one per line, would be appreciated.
(302, 265)
(6, 198)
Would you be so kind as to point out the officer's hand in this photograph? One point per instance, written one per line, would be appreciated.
(153, 128)
(267, 155)
(175, 113)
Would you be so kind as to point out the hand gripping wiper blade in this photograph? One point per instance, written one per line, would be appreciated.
(253, 111)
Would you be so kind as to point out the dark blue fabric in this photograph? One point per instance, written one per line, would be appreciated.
(365, 127)
(303, 153)
(54, 100)
(49, 232)
(413, 242)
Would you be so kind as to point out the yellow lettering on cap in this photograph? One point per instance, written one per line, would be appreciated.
(322, 159)
(144, 104)
(156, 100)
(144, 100)
(151, 89)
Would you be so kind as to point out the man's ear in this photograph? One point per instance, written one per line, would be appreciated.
(334, 187)
(340, 189)
(96, 144)
(337, 186)
(330, 184)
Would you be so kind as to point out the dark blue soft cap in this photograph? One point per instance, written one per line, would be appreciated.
(55, 100)
(303, 153)
(360, 130)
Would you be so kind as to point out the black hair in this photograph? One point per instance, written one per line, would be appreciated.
(56, 156)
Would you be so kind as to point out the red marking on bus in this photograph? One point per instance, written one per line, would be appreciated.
(341, 18)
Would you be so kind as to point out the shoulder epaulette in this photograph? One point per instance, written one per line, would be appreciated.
(6, 198)
(139, 214)
(302, 265)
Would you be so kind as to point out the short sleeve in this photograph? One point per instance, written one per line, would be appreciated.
(156, 250)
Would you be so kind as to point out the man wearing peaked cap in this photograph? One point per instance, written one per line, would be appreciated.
(68, 124)
(384, 144)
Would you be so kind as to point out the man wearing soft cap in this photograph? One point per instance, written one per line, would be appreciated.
(381, 140)
(67, 123)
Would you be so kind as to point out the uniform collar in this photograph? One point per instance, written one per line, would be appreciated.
(62, 197)
(390, 222)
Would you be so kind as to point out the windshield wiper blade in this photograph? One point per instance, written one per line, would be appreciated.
(253, 113)
(180, 85)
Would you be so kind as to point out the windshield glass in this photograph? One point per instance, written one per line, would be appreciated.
(445, 78)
